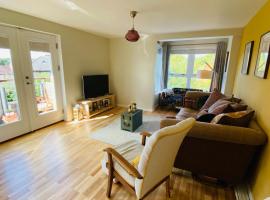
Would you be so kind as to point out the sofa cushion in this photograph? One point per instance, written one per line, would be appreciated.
(236, 107)
(201, 101)
(185, 113)
(242, 118)
(214, 96)
(233, 99)
(220, 106)
(204, 116)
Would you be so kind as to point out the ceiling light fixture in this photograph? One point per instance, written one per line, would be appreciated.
(132, 35)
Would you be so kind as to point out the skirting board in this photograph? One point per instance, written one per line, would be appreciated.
(243, 192)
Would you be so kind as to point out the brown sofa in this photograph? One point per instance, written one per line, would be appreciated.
(219, 151)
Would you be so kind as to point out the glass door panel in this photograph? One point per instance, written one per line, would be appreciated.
(43, 78)
(14, 119)
(9, 107)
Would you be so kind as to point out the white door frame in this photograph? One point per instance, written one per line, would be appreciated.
(21, 80)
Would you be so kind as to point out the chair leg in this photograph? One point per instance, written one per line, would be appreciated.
(110, 182)
(110, 176)
(168, 187)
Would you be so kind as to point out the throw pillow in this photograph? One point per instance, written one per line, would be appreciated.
(204, 116)
(233, 99)
(236, 107)
(136, 161)
(220, 106)
(214, 96)
(201, 101)
(241, 118)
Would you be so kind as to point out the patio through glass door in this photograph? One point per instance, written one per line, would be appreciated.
(30, 85)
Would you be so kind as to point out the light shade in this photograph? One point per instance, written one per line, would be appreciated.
(204, 74)
(132, 35)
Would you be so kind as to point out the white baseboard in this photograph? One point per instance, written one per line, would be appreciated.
(243, 192)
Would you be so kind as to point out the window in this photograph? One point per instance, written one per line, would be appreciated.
(184, 65)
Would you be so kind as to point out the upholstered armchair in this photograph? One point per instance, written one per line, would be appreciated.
(141, 169)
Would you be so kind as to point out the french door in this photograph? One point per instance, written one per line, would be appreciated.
(30, 86)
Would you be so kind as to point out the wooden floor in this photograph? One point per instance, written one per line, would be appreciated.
(62, 162)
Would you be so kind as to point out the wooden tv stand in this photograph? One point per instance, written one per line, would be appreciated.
(94, 106)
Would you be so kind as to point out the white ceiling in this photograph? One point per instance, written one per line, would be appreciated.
(111, 17)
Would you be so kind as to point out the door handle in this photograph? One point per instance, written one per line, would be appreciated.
(28, 83)
(27, 77)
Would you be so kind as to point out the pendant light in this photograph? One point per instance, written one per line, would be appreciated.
(132, 35)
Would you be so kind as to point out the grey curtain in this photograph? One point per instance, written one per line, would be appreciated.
(219, 66)
(165, 62)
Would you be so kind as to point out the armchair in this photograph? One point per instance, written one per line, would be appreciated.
(155, 161)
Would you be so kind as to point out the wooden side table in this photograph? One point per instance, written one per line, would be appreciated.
(131, 121)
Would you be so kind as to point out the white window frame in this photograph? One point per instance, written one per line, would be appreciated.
(191, 51)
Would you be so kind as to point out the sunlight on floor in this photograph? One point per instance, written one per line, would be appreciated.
(91, 119)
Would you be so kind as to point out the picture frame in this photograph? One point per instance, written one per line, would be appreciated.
(263, 59)
(226, 61)
(247, 57)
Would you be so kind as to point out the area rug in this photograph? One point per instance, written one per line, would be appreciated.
(112, 134)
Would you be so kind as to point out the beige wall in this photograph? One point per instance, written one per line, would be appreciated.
(83, 53)
(133, 64)
(256, 92)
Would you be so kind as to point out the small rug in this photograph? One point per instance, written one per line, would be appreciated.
(112, 134)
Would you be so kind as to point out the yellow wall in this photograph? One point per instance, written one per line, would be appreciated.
(256, 92)
(83, 53)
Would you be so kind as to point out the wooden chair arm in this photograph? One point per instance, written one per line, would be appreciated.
(123, 162)
(144, 135)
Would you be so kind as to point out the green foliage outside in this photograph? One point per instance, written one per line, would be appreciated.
(178, 63)
(4, 61)
(178, 66)
(40, 77)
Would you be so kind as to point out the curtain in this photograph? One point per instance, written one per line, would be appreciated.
(219, 66)
(159, 82)
(165, 63)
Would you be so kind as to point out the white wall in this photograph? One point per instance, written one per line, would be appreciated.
(132, 72)
(132, 65)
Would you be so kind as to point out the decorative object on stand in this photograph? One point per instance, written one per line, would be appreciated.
(263, 59)
(77, 112)
(132, 107)
(130, 121)
(132, 35)
(205, 73)
(247, 57)
(106, 102)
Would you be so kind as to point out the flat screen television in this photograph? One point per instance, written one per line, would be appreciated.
(95, 85)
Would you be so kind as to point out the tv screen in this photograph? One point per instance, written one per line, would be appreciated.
(95, 85)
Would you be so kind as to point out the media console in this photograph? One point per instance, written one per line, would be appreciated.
(94, 106)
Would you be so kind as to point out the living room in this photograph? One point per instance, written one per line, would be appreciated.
(53, 134)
